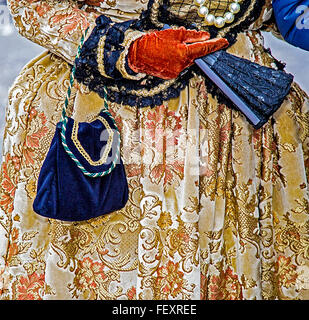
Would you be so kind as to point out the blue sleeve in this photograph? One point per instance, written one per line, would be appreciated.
(292, 18)
(103, 63)
(100, 54)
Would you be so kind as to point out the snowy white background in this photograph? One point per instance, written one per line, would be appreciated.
(15, 52)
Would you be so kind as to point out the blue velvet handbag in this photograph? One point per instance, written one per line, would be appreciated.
(82, 176)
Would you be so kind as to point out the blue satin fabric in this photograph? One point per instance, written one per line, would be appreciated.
(292, 18)
(65, 193)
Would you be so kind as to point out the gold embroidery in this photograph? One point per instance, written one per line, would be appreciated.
(100, 57)
(129, 37)
(146, 93)
(83, 151)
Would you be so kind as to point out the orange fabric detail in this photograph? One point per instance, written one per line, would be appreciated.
(94, 2)
(166, 53)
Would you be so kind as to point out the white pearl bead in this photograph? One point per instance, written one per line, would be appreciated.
(234, 7)
(199, 2)
(202, 11)
(210, 19)
(229, 17)
(219, 22)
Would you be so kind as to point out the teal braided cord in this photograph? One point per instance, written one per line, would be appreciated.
(64, 120)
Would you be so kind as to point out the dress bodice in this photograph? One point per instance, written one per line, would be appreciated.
(252, 14)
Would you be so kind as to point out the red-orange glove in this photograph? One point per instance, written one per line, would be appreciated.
(166, 53)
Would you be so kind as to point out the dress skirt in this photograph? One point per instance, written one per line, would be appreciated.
(216, 209)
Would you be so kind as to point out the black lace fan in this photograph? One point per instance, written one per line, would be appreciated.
(257, 91)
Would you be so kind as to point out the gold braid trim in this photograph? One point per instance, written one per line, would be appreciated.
(83, 151)
(243, 18)
(129, 37)
(154, 14)
(145, 92)
(100, 57)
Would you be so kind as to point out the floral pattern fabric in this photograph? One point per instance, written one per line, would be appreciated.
(216, 210)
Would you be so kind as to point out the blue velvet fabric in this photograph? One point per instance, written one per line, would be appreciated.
(65, 193)
(292, 18)
(124, 91)
(93, 137)
(120, 89)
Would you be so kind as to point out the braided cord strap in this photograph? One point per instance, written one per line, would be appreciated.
(64, 120)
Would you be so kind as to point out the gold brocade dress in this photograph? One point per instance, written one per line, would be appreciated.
(216, 210)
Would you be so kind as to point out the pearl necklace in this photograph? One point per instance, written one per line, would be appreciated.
(219, 22)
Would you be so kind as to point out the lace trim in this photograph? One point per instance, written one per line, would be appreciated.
(147, 91)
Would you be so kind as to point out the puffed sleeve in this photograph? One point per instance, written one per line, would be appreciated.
(104, 54)
(58, 25)
(291, 18)
(55, 25)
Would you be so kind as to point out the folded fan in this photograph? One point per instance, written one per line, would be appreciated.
(257, 91)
